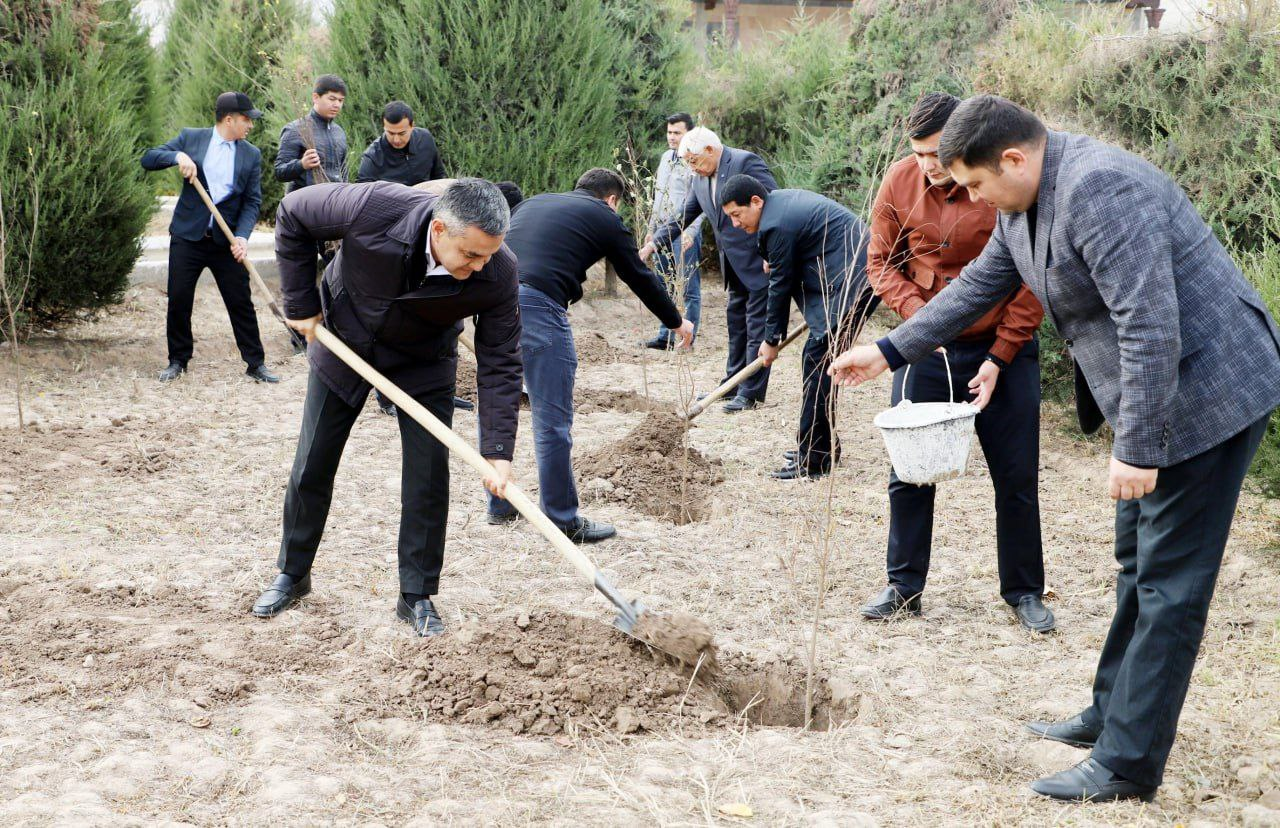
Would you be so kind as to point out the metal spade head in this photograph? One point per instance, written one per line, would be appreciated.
(629, 612)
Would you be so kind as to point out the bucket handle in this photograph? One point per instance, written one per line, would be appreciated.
(951, 391)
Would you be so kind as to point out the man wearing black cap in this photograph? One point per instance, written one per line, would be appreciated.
(230, 168)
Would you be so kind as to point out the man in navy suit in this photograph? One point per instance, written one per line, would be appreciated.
(230, 168)
(740, 262)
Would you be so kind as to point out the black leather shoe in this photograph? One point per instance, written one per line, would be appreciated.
(794, 471)
(422, 616)
(1072, 732)
(588, 531)
(172, 372)
(890, 604)
(1091, 781)
(387, 407)
(791, 455)
(501, 520)
(1034, 615)
(659, 343)
(463, 405)
(283, 593)
(259, 373)
(740, 403)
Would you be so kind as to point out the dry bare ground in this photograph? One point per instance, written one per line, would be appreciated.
(137, 522)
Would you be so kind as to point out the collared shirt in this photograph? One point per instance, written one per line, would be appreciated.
(219, 166)
(434, 268)
(670, 189)
(922, 237)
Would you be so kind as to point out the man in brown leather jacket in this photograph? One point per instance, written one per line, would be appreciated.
(924, 229)
(412, 266)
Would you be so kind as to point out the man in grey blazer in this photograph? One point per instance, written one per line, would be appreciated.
(1172, 346)
(740, 262)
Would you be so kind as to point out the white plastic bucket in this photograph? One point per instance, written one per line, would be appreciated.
(928, 442)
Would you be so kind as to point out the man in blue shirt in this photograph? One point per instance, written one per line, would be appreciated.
(230, 168)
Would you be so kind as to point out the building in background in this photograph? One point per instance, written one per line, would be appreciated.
(713, 21)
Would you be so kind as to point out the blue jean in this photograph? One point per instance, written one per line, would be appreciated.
(550, 364)
(676, 264)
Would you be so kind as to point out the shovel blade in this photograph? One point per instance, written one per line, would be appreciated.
(629, 612)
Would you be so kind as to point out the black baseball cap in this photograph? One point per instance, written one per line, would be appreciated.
(237, 102)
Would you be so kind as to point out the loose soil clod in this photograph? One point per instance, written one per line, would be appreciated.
(681, 636)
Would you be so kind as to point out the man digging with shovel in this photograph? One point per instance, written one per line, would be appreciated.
(412, 266)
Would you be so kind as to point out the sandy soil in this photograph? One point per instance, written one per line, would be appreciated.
(137, 523)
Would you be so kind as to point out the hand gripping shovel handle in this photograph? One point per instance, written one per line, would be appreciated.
(628, 612)
(737, 379)
(253, 271)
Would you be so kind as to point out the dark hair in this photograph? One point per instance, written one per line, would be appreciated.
(740, 188)
(511, 192)
(220, 113)
(681, 117)
(930, 114)
(984, 126)
(330, 83)
(602, 183)
(397, 111)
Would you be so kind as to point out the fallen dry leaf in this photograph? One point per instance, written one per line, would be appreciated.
(200, 721)
(737, 809)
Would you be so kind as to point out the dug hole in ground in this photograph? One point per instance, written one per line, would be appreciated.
(139, 521)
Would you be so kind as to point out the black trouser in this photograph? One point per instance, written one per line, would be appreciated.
(816, 406)
(1009, 432)
(1169, 545)
(424, 486)
(187, 260)
(745, 317)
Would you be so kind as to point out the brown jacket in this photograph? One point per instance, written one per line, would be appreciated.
(922, 237)
(409, 335)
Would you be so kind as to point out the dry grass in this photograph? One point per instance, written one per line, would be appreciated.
(172, 556)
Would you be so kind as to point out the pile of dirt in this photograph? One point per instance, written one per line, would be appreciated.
(544, 674)
(645, 469)
(595, 349)
(595, 400)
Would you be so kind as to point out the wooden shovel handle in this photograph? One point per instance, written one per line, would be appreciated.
(514, 494)
(736, 380)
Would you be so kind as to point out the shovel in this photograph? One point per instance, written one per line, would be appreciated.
(738, 378)
(299, 344)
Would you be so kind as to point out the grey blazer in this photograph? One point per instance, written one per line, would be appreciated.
(734, 244)
(1175, 345)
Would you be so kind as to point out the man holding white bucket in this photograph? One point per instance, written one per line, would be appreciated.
(924, 229)
(1172, 346)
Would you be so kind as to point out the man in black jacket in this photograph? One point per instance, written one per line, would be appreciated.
(556, 237)
(230, 169)
(313, 149)
(815, 252)
(404, 153)
(412, 267)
